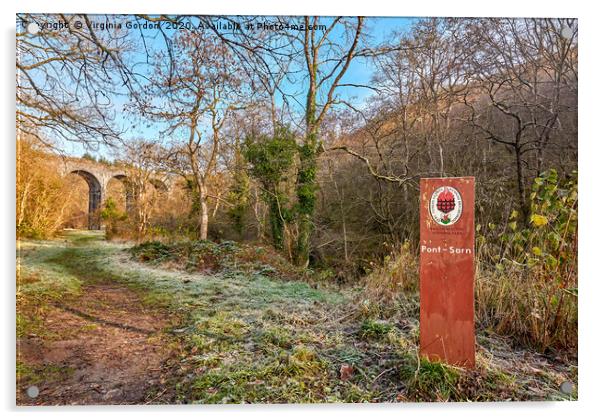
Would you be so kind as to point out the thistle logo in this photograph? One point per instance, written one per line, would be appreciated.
(446, 206)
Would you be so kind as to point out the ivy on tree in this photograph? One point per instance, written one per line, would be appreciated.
(271, 158)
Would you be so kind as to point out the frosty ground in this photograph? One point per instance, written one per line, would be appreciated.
(97, 326)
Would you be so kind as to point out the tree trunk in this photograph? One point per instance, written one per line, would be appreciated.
(258, 218)
(306, 177)
(276, 223)
(203, 213)
(520, 180)
(306, 196)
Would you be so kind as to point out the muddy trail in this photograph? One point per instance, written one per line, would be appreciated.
(101, 346)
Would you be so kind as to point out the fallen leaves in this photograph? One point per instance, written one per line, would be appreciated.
(346, 372)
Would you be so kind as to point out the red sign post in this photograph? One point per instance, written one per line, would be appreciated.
(447, 270)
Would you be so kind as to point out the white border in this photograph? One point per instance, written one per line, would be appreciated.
(590, 139)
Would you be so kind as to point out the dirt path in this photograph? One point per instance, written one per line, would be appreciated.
(103, 347)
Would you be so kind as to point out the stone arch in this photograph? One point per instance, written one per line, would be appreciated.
(94, 197)
(129, 192)
(158, 184)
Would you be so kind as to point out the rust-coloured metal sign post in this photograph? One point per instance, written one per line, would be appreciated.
(447, 270)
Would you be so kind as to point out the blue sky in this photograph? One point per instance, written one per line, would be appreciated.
(360, 72)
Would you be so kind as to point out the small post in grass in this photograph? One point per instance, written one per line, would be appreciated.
(447, 270)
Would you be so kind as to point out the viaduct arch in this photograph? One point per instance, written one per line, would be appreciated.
(98, 176)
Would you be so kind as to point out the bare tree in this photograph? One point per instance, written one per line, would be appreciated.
(326, 60)
(522, 70)
(69, 75)
(143, 184)
(194, 95)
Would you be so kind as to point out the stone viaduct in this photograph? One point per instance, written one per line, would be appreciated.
(97, 175)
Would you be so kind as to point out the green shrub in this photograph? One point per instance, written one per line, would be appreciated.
(527, 285)
(375, 329)
(114, 219)
(430, 381)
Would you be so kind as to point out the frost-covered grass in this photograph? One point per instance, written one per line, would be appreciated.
(41, 279)
(248, 336)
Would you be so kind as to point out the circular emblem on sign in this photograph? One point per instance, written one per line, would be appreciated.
(446, 206)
